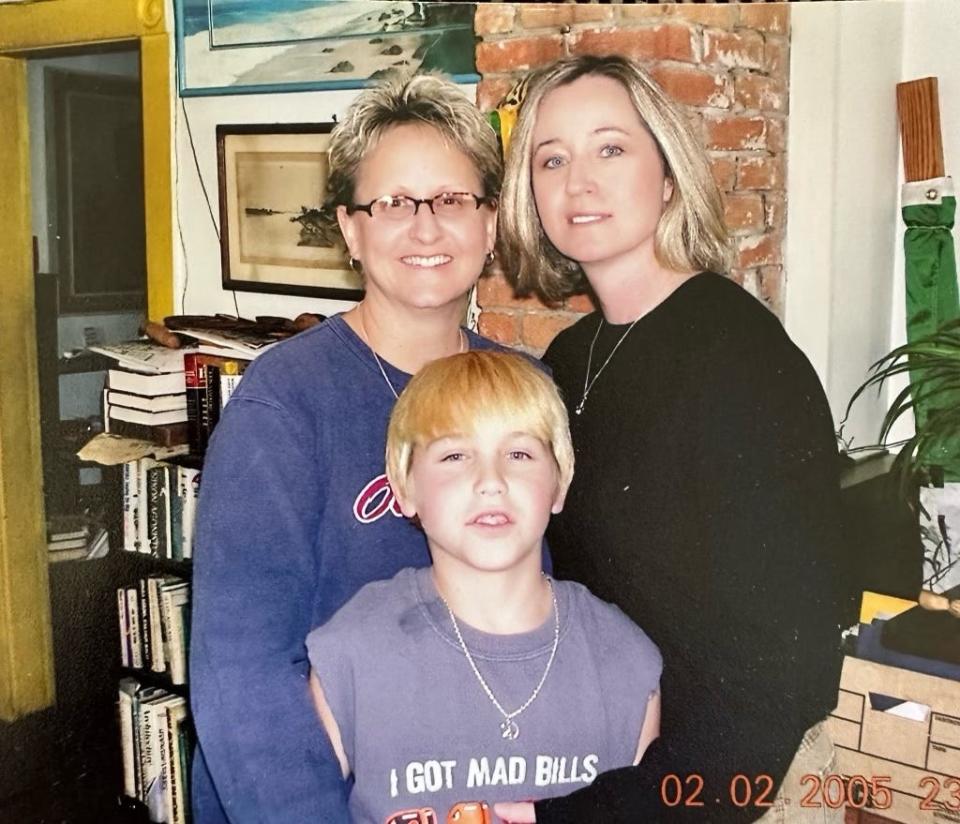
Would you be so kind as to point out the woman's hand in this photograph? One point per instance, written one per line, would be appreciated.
(514, 812)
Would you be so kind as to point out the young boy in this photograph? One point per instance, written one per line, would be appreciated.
(479, 679)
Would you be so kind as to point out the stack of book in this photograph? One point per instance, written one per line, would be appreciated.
(145, 396)
(154, 619)
(159, 508)
(213, 370)
(157, 741)
(71, 538)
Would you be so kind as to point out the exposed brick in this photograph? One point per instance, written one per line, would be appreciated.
(760, 250)
(643, 11)
(775, 210)
(743, 213)
(591, 13)
(716, 16)
(776, 134)
(692, 86)
(491, 90)
(500, 327)
(580, 303)
(733, 50)
(733, 133)
(494, 18)
(754, 91)
(748, 279)
(666, 42)
(776, 56)
(540, 15)
(494, 291)
(539, 329)
(764, 172)
(520, 53)
(768, 17)
(771, 288)
(724, 172)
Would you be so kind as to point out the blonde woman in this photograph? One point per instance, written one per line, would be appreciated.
(704, 503)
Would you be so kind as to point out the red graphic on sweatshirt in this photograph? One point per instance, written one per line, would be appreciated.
(375, 500)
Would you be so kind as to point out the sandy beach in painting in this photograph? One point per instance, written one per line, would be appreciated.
(356, 58)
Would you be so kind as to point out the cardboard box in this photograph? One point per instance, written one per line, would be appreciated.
(905, 725)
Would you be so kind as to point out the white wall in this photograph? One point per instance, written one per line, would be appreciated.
(197, 284)
(843, 194)
(845, 286)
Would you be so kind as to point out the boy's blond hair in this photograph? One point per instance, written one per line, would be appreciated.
(449, 395)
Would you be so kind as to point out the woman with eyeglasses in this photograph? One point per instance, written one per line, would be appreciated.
(295, 512)
(705, 502)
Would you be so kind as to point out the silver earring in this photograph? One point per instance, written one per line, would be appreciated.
(489, 258)
(355, 264)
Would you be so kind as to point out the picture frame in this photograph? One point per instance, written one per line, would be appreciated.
(249, 46)
(271, 180)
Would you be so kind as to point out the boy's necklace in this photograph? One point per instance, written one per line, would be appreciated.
(376, 357)
(508, 727)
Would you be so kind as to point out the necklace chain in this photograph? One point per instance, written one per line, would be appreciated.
(509, 728)
(376, 357)
(588, 382)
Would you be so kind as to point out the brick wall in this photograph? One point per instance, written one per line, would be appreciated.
(728, 64)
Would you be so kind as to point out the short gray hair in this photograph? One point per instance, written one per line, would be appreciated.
(691, 234)
(423, 99)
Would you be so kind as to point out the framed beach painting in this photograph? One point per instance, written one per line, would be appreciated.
(244, 46)
(273, 237)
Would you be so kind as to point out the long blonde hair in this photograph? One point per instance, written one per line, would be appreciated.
(691, 234)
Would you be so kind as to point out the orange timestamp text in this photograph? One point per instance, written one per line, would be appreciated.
(831, 790)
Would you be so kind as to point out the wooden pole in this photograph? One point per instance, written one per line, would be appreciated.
(918, 110)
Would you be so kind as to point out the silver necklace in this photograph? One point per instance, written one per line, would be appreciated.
(509, 729)
(376, 357)
(588, 382)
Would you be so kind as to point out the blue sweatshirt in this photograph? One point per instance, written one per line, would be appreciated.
(295, 515)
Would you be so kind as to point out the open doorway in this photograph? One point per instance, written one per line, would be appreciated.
(84, 113)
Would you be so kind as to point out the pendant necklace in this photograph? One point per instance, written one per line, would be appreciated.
(376, 357)
(588, 382)
(509, 729)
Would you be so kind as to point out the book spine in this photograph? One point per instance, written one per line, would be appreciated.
(213, 398)
(193, 478)
(145, 625)
(229, 378)
(175, 799)
(161, 806)
(157, 658)
(163, 519)
(131, 491)
(124, 626)
(177, 491)
(125, 710)
(133, 616)
(143, 506)
(191, 377)
(179, 606)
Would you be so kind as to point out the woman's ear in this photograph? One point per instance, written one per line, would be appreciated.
(667, 189)
(347, 229)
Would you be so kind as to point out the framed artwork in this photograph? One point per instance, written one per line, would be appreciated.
(244, 46)
(272, 237)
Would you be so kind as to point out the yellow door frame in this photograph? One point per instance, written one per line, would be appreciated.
(26, 653)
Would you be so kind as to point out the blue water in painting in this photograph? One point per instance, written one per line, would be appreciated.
(228, 12)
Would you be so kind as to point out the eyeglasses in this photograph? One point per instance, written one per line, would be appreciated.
(447, 205)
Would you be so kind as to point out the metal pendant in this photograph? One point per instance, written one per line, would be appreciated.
(509, 730)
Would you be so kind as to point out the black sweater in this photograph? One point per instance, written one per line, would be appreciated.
(705, 504)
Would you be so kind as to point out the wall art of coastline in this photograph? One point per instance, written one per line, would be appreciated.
(247, 46)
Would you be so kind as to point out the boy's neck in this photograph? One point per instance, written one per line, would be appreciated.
(499, 603)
